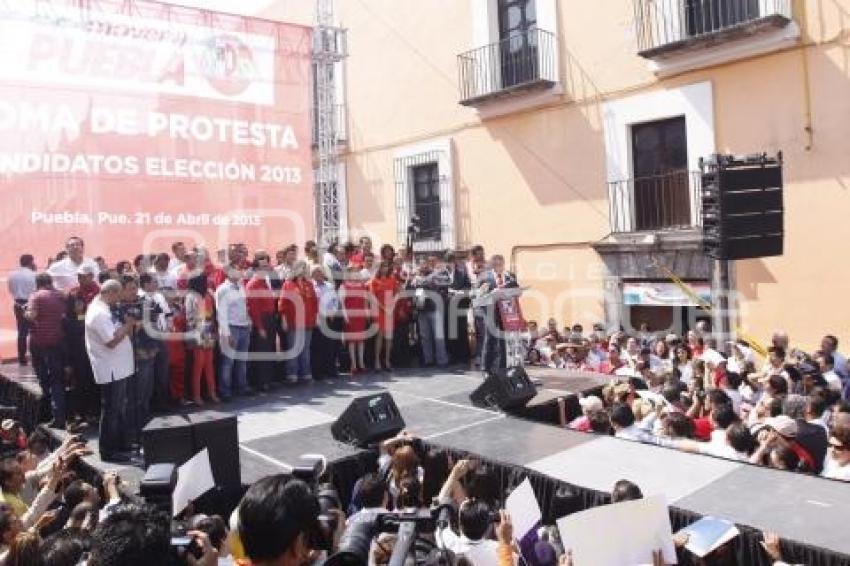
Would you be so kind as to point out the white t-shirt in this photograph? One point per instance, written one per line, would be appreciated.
(722, 451)
(832, 470)
(484, 552)
(736, 398)
(833, 380)
(64, 272)
(108, 364)
(687, 372)
(166, 279)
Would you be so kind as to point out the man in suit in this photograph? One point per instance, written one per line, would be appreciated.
(495, 280)
(459, 303)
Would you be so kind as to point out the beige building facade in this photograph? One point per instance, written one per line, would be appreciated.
(567, 136)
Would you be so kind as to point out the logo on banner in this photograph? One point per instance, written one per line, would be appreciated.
(228, 64)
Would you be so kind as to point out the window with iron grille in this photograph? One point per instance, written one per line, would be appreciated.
(425, 190)
(426, 200)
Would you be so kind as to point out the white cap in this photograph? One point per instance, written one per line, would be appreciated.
(591, 403)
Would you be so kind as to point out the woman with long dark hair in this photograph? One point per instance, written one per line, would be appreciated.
(199, 308)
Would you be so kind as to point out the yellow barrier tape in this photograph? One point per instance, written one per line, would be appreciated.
(754, 344)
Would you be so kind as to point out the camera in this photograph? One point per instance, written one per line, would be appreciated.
(310, 470)
(183, 545)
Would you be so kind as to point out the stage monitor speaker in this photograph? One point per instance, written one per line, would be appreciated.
(217, 432)
(167, 440)
(506, 389)
(742, 206)
(368, 419)
(158, 486)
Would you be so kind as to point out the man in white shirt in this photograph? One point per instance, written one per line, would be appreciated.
(111, 355)
(328, 331)
(21, 285)
(234, 327)
(623, 423)
(178, 249)
(165, 278)
(64, 271)
(826, 364)
(829, 345)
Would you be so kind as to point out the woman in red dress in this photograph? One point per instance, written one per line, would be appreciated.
(354, 295)
(383, 289)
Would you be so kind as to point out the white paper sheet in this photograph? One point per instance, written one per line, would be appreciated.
(194, 478)
(656, 398)
(523, 508)
(622, 534)
(708, 534)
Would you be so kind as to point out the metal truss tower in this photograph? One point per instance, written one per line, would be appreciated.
(329, 48)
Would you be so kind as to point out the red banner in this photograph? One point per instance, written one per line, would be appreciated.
(511, 315)
(135, 124)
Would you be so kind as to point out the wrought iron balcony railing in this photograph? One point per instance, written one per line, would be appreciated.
(670, 201)
(665, 25)
(521, 61)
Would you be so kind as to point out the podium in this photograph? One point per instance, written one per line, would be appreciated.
(506, 300)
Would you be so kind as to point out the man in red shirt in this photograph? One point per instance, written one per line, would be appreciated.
(262, 307)
(298, 307)
(46, 311)
(358, 258)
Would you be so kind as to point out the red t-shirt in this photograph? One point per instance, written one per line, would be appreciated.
(49, 306)
(260, 301)
(305, 315)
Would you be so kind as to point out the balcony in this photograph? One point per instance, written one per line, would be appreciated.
(520, 63)
(659, 203)
(678, 35)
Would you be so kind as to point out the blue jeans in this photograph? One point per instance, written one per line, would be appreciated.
(113, 417)
(48, 362)
(299, 338)
(241, 338)
(139, 392)
(432, 336)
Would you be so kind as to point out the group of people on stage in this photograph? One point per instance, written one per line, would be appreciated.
(183, 328)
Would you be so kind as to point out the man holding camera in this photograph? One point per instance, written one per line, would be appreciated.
(279, 522)
(474, 520)
(111, 354)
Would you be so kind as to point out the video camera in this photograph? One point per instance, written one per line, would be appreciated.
(407, 525)
(310, 471)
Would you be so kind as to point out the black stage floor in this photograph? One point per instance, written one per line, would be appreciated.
(276, 428)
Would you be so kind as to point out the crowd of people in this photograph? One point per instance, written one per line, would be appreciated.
(118, 342)
(51, 515)
(790, 413)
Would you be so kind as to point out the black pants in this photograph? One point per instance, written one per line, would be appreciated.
(260, 372)
(86, 400)
(280, 335)
(49, 365)
(23, 329)
(402, 352)
(113, 417)
(458, 339)
(325, 347)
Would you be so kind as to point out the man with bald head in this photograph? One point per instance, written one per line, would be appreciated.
(111, 354)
